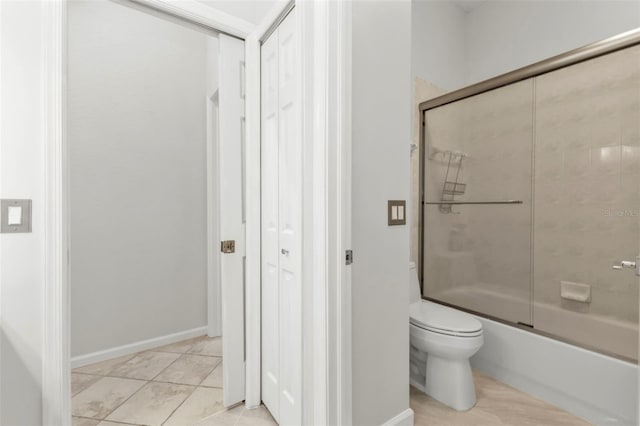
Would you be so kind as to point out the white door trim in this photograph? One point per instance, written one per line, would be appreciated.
(340, 208)
(199, 13)
(56, 364)
(326, 120)
(328, 54)
(56, 358)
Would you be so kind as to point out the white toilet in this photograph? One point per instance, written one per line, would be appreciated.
(442, 341)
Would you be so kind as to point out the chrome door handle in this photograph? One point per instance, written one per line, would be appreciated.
(629, 264)
(285, 252)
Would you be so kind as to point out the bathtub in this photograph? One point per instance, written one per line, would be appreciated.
(619, 337)
(599, 388)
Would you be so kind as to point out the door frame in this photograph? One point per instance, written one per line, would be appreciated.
(324, 29)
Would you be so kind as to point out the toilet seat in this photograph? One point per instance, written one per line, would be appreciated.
(440, 319)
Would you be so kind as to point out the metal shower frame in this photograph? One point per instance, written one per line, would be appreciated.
(581, 54)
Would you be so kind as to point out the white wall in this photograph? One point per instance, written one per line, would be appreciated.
(381, 137)
(136, 131)
(453, 47)
(21, 176)
(502, 36)
(439, 46)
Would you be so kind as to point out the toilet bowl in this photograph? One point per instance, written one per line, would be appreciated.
(442, 341)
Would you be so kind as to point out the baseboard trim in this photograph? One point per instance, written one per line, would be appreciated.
(143, 345)
(405, 418)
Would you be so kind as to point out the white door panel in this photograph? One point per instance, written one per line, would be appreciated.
(290, 200)
(270, 224)
(281, 226)
(232, 227)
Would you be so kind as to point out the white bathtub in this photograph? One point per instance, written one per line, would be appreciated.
(596, 387)
(618, 337)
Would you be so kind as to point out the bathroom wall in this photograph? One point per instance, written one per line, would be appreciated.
(437, 66)
(381, 136)
(21, 176)
(438, 34)
(505, 35)
(455, 45)
(137, 123)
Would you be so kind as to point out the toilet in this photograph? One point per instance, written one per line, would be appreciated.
(441, 342)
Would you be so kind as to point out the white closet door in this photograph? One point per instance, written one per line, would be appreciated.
(290, 210)
(270, 227)
(282, 239)
(232, 224)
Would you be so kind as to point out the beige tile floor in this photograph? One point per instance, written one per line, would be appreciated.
(497, 405)
(181, 385)
(174, 385)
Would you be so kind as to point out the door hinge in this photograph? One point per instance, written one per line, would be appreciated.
(228, 246)
(348, 258)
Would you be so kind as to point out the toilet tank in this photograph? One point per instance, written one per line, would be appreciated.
(414, 284)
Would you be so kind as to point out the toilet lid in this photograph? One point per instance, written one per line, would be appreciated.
(439, 318)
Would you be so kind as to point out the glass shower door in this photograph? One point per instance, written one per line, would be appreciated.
(479, 151)
(532, 201)
(587, 202)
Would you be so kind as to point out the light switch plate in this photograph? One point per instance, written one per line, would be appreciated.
(14, 215)
(15, 225)
(396, 212)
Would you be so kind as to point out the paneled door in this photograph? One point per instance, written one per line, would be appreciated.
(281, 226)
(231, 210)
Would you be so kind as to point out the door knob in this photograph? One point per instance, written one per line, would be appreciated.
(629, 264)
(285, 252)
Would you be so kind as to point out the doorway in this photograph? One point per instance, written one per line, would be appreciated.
(323, 341)
(153, 176)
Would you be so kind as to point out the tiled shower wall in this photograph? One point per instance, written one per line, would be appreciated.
(587, 190)
(486, 248)
(569, 140)
(422, 90)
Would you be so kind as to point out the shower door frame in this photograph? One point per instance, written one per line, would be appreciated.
(572, 57)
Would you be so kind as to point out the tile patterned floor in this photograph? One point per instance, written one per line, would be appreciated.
(174, 385)
(497, 405)
(181, 385)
